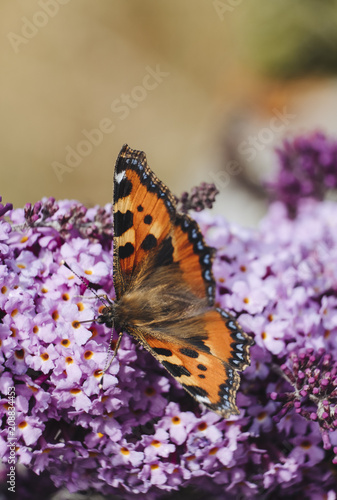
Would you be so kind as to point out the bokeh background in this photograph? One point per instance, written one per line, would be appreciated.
(224, 69)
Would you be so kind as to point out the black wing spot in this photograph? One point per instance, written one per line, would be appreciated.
(126, 250)
(191, 353)
(195, 390)
(123, 189)
(164, 257)
(148, 219)
(176, 370)
(149, 242)
(140, 208)
(122, 222)
(201, 375)
(203, 368)
(199, 344)
(162, 351)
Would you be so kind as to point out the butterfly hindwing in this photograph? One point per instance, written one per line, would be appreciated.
(207, 367)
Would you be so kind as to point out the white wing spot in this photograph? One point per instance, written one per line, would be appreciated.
(203, 399)
(119, 177)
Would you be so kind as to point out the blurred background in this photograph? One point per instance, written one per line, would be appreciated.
(206, 89)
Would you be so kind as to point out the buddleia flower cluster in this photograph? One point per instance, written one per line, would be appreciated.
(307, 168)
(140, 435)
(200, 197)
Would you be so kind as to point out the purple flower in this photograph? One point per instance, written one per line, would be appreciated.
(5, 208)
(268, 334)
(29, 429)
(178, 424)
(307, 449)
(281, 473)
(157, 445)
(307, 168)
(201, 197)
(262, 418)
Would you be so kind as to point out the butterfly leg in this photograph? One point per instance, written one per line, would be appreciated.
(108, 363)
(106, 298)
(94, 297)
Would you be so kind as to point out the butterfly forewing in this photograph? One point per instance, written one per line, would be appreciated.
(194, 257)
(143, 213)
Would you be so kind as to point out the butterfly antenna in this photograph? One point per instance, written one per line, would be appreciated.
(64, 263)
(86, 321)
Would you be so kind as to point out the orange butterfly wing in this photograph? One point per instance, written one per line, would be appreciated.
(194, 257)
(207, 367)
(144, 210)
(206, 351)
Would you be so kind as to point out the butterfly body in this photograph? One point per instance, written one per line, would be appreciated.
(165, 289)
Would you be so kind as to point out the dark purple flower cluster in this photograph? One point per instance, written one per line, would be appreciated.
(307, 169)
(201, 197)
(313, 394)
(76, 220)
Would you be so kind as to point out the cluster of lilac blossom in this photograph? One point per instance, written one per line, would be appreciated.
(201, 197)
(76, 219)
(307, 168)
(141, 435)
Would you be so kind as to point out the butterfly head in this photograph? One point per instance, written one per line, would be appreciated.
(107, 316)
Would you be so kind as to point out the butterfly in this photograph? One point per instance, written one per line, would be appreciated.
(162, 271)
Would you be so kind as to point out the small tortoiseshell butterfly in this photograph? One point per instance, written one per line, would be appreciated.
(165, 289)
